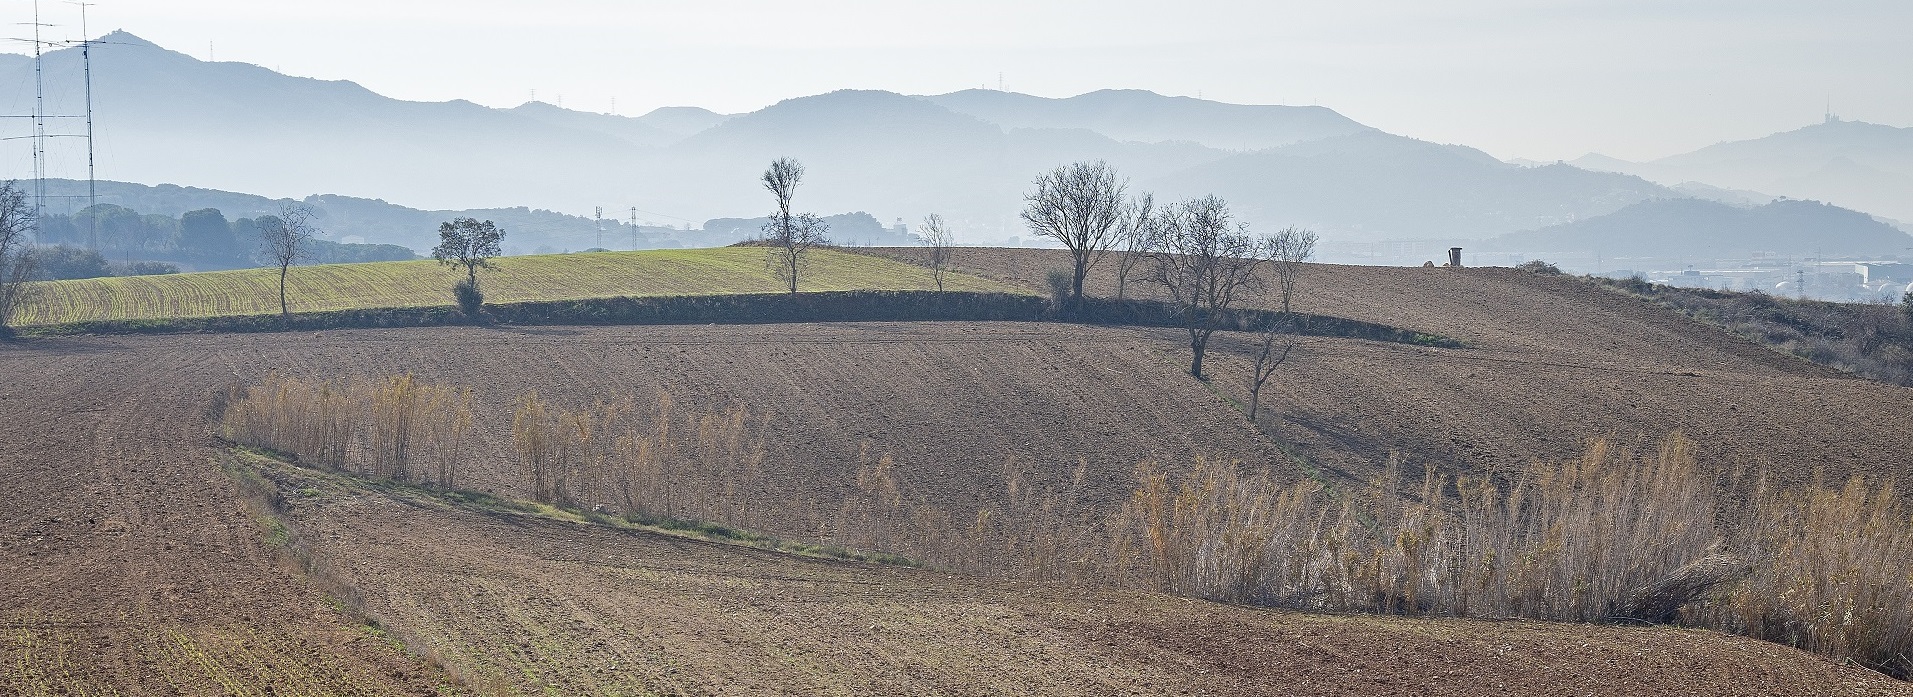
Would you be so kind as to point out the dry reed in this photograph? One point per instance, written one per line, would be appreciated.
(397, 428)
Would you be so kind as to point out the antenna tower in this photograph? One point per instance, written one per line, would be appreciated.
(599, 214)
(39, 129)
(92, 181)
(634, 228)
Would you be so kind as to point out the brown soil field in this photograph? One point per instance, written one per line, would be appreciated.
(130, 563)
(1549, 363)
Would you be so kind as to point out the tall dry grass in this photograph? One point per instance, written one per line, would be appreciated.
(655, 459)
(396, 428)
(1615, 535)
(1608, 537)
(1834, 574)
(1565, 541)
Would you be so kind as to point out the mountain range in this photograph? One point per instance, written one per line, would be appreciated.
(1865, 166)
(165, 117)
(1698, 230)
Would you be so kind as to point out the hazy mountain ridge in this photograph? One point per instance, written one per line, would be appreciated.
(1375, 186)
(240, 127)
(1699, 230)
(1855, 164)
(1146, 117)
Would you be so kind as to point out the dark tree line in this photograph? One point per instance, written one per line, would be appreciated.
(108, 239)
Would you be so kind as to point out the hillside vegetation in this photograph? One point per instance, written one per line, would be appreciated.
(425, 283)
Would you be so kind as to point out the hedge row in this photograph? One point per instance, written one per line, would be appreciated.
(750, 308)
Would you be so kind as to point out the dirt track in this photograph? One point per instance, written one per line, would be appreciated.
(131, 561)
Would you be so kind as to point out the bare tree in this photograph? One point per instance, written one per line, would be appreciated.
(1287, 250)
(1080, 206)
(468, 243)
(1278, 341)
(286, 240)
(789, 235)
(18, 260)
(1205, 260)
(936, 235)
(1137, 233)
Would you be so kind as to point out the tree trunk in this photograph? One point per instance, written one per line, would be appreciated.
(1196, 345)
(284, 310)
(790, 263)
(1076, 284)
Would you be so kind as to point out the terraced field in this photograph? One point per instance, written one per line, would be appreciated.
(426, 283)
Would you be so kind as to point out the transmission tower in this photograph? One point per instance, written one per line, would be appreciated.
(92, 181)
(599, 214)
(39, 129)
(634, 228)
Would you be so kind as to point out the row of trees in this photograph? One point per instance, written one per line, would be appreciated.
(1201, 258)
(204, 239)
(1194, 251)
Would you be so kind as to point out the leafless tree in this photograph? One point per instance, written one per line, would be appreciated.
(1138, 230)
(286, 240)
(936, 235)
(1081, 206)
(18, 262)
(1278, 341)
(1206, 261)
(1287, 250)
(789, 235)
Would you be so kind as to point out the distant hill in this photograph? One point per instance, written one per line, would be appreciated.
(630, 130)
(863, 148)
(857, 229)
(1865, 166)
(969, 156)
(1374, 186)
(1147, 117)
(1699, 230)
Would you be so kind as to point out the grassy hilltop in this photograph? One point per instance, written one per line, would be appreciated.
(329, 287)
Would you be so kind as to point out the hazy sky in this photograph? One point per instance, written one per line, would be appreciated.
(1542, 79)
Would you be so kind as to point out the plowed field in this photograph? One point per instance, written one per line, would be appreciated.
(1549, 363)
(132, 564)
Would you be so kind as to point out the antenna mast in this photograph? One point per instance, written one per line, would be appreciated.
(634, 228)
(39, 130)
(599, 215)
(92, 182)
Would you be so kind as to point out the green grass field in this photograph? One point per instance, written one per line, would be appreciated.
(719, 271)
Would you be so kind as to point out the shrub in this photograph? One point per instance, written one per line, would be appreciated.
(1059, 282)
(471, 300)
(63, 263)
(145, 268)
(1540, 267)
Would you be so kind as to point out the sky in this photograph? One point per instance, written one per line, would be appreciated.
(1536, 79)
